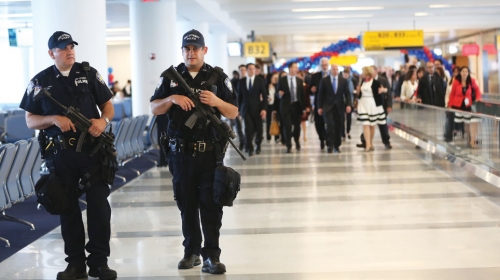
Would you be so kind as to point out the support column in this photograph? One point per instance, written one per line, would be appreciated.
(182, 28)
(87, 26)
(150, 23)
(217, 52)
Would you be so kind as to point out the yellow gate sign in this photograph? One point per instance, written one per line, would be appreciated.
(257, 49)
(386, 40)
(344, 60)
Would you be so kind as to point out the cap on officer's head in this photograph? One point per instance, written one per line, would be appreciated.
(194, 38)
(60, 40)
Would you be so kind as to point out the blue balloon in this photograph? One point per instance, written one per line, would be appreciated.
(110, 70)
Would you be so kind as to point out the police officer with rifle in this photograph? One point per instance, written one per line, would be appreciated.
(197, 143)
(61, 102)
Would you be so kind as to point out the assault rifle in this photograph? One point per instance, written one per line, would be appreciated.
(202, 110)
(106, 139)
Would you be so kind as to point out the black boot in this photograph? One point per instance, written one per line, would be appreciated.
(189, 261)
(212, 265)
(73, 273)
(102, 272)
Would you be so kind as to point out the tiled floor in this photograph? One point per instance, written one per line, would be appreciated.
(305, 215)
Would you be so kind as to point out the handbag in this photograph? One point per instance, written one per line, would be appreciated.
(274, 129)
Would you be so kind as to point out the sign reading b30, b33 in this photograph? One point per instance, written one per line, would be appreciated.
(257, 49)
(397, 39)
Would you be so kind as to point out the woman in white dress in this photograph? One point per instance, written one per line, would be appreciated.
(409, 86)
(370, 110)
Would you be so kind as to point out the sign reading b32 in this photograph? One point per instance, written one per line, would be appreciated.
(398, 39)
(257, 49)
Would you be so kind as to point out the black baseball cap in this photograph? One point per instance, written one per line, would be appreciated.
(60, 40)
(194, 38)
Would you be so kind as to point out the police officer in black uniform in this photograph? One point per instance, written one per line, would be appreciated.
(72, 85)
(192, 159)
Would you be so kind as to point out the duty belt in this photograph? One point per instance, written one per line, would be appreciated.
(179, 145)
(62, 143)
(199, 146)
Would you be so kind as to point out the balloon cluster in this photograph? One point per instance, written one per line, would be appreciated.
(343, 46)
(426, 55)
(306, 63)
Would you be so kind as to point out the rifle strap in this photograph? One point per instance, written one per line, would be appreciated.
(212, 80)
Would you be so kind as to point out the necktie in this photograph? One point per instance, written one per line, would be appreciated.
(334, 84)
(292, 91)
(250, 85)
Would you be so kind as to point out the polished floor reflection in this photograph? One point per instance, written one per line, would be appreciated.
(305, 215)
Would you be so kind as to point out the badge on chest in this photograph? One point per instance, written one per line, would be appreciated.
(81, 80)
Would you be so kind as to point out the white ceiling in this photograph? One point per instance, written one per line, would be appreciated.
(314, 23)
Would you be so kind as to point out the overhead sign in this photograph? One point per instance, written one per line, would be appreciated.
(490, 49)
(386, 40)
(344, 60)
(470, 49)
(257, 49)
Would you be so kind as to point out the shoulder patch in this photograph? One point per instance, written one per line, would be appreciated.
(228, 84)
(29, 89)
(159, 84)
(99, 78)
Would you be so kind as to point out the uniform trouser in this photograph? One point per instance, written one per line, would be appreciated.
(253, 126)
(289, 119)
(319, 123)
(334, 120)
(192, 181)
(70, 166)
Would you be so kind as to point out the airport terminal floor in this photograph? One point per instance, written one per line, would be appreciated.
(387, 214)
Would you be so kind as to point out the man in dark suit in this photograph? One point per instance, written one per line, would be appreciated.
(252, 107)
(431, 89)
(319, 121)
(291, 92)
(334, 100)
(237, 121)
(387, 104)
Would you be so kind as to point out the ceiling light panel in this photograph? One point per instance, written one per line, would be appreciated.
(305, 10)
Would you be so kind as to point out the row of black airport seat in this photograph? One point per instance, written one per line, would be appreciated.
(13, 125)
(21, 165)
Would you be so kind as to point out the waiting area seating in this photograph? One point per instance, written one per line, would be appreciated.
(21, 164)
(13, 126)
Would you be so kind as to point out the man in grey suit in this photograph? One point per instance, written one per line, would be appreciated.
(334, 100)
(252, 107)
(291, 104)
